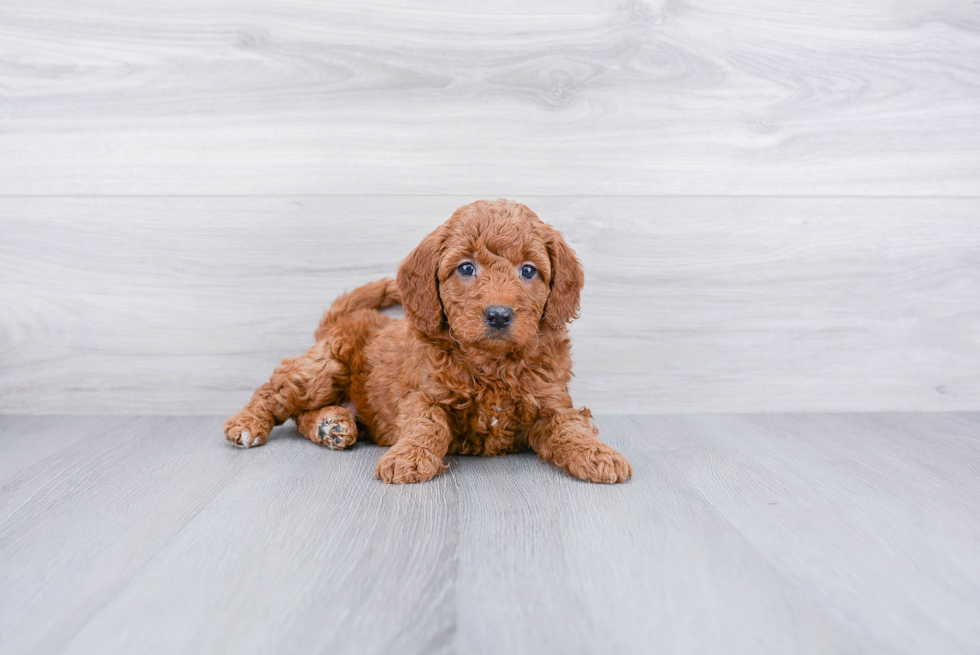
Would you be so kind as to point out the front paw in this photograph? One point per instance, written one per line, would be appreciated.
(597, 463)
(405, 463)
(245, 431)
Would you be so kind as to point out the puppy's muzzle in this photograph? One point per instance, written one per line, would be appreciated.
(498, 317)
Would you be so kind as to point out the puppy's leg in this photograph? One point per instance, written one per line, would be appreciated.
(423, 441)
(299, 384)
(567, 440)
(333, 426)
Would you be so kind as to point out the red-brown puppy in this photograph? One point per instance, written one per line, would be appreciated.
(479, 366)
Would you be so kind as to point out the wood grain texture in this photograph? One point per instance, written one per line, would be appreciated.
(504, 98)
(185, 305)
(828, 500)
(744, 534)
(155, 536)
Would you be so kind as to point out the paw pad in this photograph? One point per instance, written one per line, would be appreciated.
(332, 435)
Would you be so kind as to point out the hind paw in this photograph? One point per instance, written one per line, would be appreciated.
(245, 431)
(333, 427)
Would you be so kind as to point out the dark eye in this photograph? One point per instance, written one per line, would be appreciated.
(466, 269)
(528, 271)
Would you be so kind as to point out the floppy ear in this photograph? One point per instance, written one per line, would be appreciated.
(419, 284)
(567, 280)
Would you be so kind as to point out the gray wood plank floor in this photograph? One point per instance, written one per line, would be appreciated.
(783, 533)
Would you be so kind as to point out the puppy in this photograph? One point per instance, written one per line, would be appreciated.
(479, 366)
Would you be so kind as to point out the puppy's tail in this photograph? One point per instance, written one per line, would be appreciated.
(374, 295)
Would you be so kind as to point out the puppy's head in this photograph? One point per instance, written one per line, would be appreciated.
(490, 277)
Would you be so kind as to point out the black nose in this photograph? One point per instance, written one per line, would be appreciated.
(498, 316)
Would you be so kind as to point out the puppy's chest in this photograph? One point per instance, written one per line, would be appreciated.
(497, 423)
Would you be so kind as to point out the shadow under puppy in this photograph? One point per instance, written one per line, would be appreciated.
(480, 365)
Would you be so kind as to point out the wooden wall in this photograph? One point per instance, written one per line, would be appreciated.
(778, 204)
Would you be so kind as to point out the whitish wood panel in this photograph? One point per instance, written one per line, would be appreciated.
(738, 534)
(164, 305)
(502, 98)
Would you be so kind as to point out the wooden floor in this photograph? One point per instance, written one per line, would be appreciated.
(784, 533)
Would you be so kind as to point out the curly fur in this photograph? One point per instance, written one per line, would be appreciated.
(441, 381)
